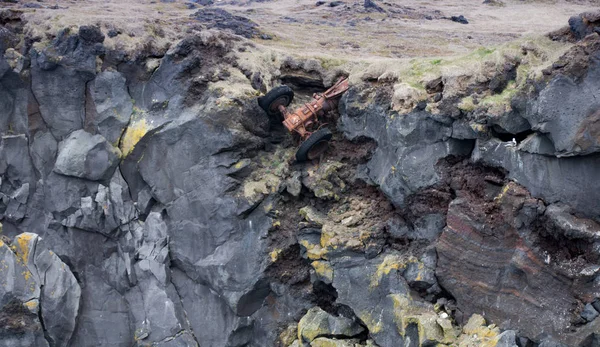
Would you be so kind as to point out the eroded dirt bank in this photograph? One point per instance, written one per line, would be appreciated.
(147, 200)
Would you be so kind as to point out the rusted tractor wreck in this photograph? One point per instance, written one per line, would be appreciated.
(305, 121)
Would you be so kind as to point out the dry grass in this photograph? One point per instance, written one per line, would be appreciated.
(384, 47)
(337, 32)
(139, 22)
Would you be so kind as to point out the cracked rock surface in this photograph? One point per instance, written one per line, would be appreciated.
(146, 200)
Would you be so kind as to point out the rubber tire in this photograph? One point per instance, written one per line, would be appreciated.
(266, 101)
(317, 137)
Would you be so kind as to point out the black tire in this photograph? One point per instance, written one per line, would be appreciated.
(282, 95)
(316, 142)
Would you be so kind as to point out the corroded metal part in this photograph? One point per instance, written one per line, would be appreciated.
(306, 116)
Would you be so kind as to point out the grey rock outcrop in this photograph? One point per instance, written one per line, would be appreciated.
(584, 24)
(176, 240)
(16, 178)
(59, 76)
(408, 148)
(551, 178)
(112, 106)
(14, 98)
(568, 111)
(36, 279)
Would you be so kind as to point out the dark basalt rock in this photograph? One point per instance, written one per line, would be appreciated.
(71, 60)
(550, 178)
(168, 251)
(110, 107)
(85, 156)
(221, 19)
(459, 19)
(91, 34)
(39, 290)
(18, 178)
(572, 120)
(203, 2)
(589, 313)
(372, 6)
(368, 293)
(584, 24)
(404, 160)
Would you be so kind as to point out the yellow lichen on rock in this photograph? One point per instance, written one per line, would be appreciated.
(313, 251)
(334, 236)
(323, 270)
(477, 334)
(289, 334)
(22, 246)
(509, 187)
(133, 134)
(275, 254)
(389, 263)
(32, 305)
(431, 327)
(478, 128)
(326, 342)
(268, 184)
(375, 325)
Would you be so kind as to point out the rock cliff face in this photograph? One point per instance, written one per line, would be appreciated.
(148, 201)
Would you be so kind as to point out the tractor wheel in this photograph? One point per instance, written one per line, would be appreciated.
(314, 146)
(282, 95)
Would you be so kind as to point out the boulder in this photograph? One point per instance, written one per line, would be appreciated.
(584, 24)
(86, 156)
(420, 275)
(317, 323)
(589, 313)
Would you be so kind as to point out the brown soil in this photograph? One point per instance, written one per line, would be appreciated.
(16, 319)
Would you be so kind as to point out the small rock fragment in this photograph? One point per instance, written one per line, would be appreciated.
(589, 313)
(312, 215)
(459, 19)
(596, 304)
(371, 5)
(434, 85)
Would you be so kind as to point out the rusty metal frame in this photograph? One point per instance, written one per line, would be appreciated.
(308, 114)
